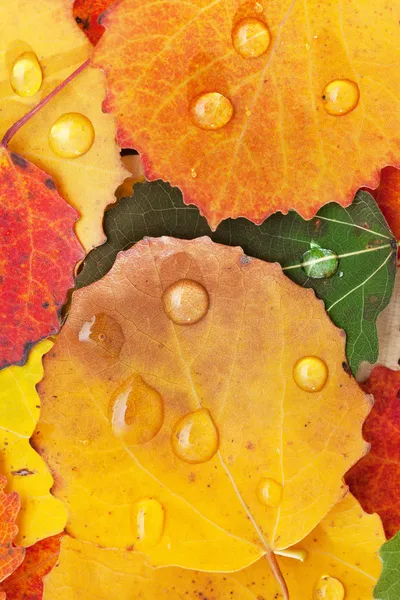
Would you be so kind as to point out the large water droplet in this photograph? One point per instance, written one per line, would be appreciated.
(186, 302)
(210, 111)
(329, 588)
(269, 492)
(195, 438)
(310, 373)
(251, 38)
(71, 135)
(319, 263)
(340, 97)
(136, 412)
(105, 332)
(26, 75)
(147, 523)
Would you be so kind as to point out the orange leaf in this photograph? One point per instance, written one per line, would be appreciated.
(87, 13)
(37, 257)
(171, 417)
(26, 583)
(10, 555)
(277, 144)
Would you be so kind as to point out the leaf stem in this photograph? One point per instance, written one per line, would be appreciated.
(14, 128)
(275, 568)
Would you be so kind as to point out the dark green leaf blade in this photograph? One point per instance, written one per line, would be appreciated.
(356, 291)
(388, 586)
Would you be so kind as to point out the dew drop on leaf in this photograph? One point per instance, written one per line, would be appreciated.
(104, 331)
(250, 37)
(71, 136)
(136, 412)
(269, 492)
(310, 374)
(210, 111)
(340, 97)
(319, 263)
(147, 519)
(186, 302)
(195, 437)
(26, 75)
(329, 588)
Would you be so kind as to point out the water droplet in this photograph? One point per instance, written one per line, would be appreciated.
(329, 588)
(147, 523)
(258, 7)
(72, 135)
(194, 174)
(269, 492)
(84, 442)
(186, 302)
(319, 263)
(340, 97)
(248, 111)
(210, 111)
(26, 75)
(340, 274)
(105, 332)
(195, 437)
(251, 38)
(310, 374)
(136, 412)
(307, 46)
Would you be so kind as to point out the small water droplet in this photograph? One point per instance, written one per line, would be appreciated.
(258, 7)
(340, 97)
(251, 38)
(147, 523)
(269, 492)
(194, 438)
(310, 374)
(136, 412)
(210, 111)
(104, 331)
(340, 274)
(319, 263)
(71, 136)
(248, 111)
(84, 442)
(329, 588)
(194, 174)
(26, 75)
(186, 302)
(307, 46)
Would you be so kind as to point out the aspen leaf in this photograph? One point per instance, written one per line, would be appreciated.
(87, 13)
(195, 407)
(388, 587)
(10, 556)
(343, 547)
(88, 181)
(387, 195)
(256, 107)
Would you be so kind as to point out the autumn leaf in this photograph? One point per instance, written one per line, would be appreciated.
(387, 195)
(360, 283)
(388, 587)
(256, 108)
(87, 13)
(41, 515)
(375, 479)
(10, 556)
(343, 548)
(26, 583)
(88, 181)
(37, 257)
(131, 374)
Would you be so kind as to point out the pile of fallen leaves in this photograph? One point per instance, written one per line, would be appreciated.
(199, 219)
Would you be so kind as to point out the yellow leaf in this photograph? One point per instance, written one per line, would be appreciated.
(41, 514)
(341, 551)
(47, 29)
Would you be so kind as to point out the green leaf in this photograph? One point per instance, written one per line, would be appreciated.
(388, 586)
(347, 255)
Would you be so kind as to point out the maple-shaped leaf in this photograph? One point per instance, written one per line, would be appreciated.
(256, 107)
(26, 583)
(375, 479)
(87, 13)
(341, 552)
(41, 514)
(388, 586)
(89, 180)
(204, 392)
(10, 556)
(37, 256)
(387, 195)
(360, 282)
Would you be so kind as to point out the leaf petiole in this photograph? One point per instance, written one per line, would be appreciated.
(277, 573)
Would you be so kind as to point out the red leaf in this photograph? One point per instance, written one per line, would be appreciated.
(10, 555)
(387, 195)
(375, 479)
(37, 256)
(87, 13)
